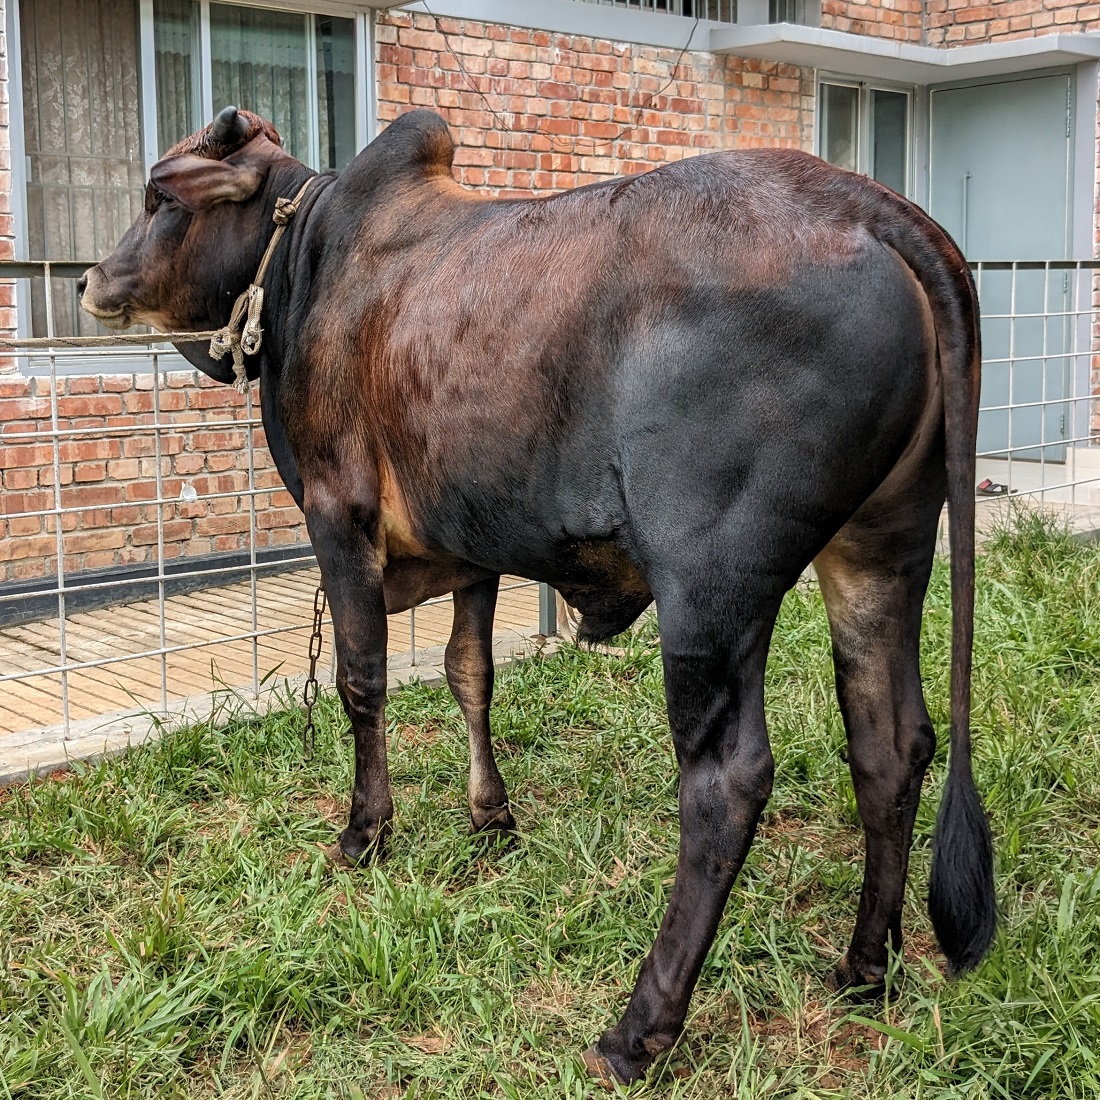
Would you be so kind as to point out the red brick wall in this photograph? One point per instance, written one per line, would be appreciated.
(959, 22)
(111, 477)
(535, 111)
(898, 19)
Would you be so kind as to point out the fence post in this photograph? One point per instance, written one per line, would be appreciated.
(548, 611)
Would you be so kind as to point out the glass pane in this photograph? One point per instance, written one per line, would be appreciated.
(82, 128)
(786, 11)
(840, 125)
(174, 34)
(260, 62)
(335, 91)
(890, 138)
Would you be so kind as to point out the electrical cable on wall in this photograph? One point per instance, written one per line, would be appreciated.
(570, 147)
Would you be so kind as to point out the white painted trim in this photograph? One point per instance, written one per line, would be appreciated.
(313, 106)
(1083, 238)
(573, 17)
(345, 8)
(206, 67)
(366, 81)
(884, 59)
(922, 147)
(1083, 234)
(147, 85)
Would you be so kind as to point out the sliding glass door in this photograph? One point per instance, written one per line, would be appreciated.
(866, 129)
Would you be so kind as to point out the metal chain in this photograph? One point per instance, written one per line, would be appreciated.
(309, 694)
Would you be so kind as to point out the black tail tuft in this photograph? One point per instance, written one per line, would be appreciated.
(960, 894)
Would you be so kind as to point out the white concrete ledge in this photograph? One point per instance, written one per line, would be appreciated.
(884, 59)
(572, 17)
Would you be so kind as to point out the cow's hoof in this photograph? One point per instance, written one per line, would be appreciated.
(859, 984)
(605, 1069)
(492, 819)
(610, 1064)
(359, 846)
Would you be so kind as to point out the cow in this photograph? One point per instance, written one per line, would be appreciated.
(682, 387)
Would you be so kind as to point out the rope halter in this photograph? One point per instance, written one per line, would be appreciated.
(243, 335)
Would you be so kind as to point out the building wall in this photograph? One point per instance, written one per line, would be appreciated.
(534, 111)
(898, 19)
(961, 22)
(111, 475)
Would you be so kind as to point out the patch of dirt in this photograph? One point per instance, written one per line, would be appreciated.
(417, 736)
(552, 996)
(843, 1046)
(838, 843)
(428, 1044)
(333, 810)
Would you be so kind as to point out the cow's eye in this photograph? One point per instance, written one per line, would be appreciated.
(155, 198)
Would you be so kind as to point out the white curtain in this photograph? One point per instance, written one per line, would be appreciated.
(259, 62)
(174, 34)
(82, 134)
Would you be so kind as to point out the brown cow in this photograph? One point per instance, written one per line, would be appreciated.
(684, 386)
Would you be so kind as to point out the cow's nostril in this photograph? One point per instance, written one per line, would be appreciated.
(82, 285)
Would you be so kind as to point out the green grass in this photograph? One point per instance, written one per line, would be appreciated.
(170, 926)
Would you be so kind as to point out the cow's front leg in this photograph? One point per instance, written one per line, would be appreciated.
(344, 540)
(469, 665)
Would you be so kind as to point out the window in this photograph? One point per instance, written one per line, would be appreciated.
(787, 11)
(721, 11)
(85, 91)
(82, 137)
(865, 129)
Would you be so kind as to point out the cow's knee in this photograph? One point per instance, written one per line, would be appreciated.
(362, 691)
(892, 763)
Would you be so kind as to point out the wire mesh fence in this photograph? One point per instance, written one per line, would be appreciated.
(150, 553)
(1039, 428)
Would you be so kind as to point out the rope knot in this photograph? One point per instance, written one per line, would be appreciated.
(285, 209)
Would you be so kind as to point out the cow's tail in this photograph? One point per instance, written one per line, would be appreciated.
(961, 901)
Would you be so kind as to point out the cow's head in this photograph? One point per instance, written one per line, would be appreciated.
(199, 239)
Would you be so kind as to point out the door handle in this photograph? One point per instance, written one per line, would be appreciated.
(965, 210)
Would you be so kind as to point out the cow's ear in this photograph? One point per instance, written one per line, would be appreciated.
(197, 183)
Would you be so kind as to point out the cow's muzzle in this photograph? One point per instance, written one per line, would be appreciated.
(96, 299)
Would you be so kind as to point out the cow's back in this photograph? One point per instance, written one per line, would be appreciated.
(541, 360)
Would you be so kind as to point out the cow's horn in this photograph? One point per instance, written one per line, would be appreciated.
(228, 128)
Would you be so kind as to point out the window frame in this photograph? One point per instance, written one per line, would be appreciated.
(366, 125)
(914, 100)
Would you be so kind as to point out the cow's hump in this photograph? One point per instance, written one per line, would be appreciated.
(419, 142)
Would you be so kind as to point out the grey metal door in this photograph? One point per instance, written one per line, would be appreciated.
(1000, 184)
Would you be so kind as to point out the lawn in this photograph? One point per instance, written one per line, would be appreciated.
(171, 926)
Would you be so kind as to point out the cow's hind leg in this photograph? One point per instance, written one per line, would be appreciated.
(873, 576)
(714, 648)
(469, 664)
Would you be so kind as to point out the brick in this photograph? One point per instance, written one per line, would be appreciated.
(82, 541)
(90, 471)
(101, 405)
(173, 531)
